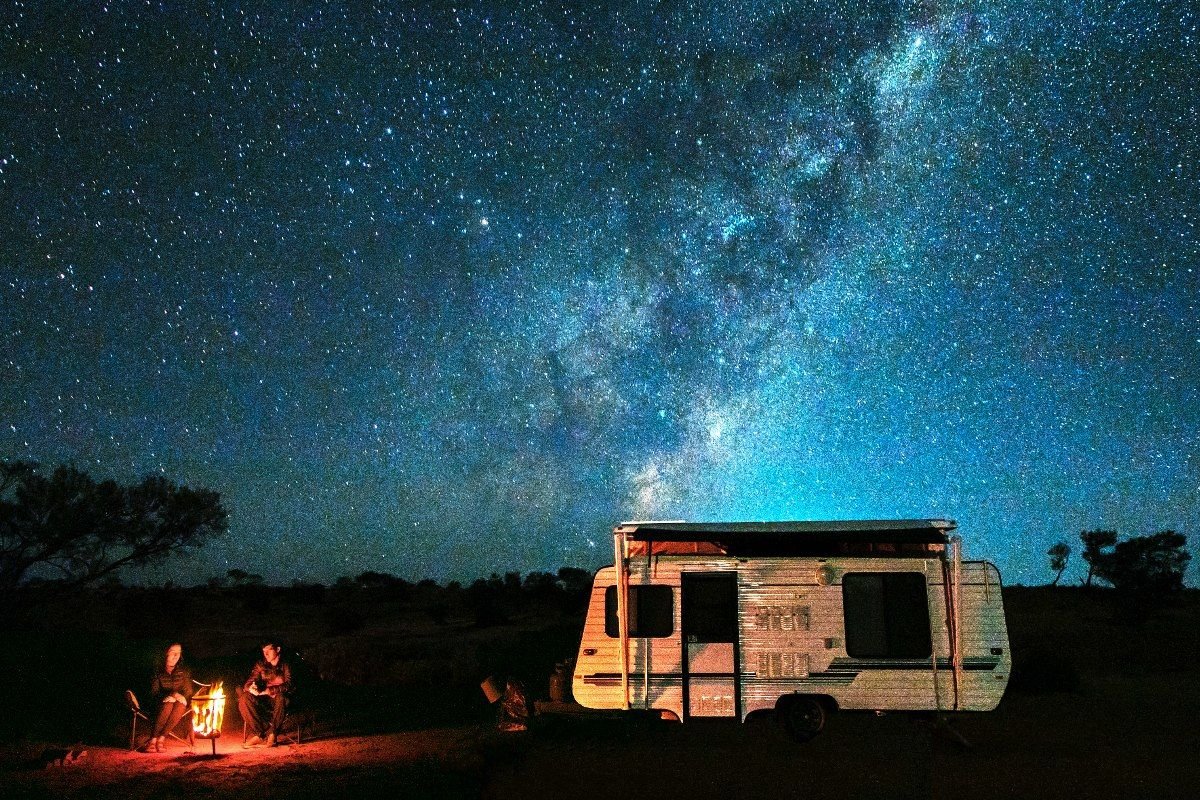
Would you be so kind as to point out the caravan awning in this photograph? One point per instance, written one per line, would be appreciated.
(904, 537)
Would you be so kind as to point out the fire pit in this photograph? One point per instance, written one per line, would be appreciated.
(208, 710)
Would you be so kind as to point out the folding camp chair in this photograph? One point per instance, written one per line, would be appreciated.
(135, 709)
(295, 720)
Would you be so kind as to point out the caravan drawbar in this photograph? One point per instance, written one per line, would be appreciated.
(710, 620)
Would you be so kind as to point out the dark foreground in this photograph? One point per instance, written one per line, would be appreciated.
(1100, 706)
(1103, 744)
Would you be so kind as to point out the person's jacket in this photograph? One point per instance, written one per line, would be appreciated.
(273, 680)
(179, 680)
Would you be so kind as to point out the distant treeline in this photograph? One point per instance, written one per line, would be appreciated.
(484, 602)
(62, 529)
(568, 579)
(1146, 564)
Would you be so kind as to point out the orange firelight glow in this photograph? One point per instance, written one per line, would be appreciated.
(207, 712)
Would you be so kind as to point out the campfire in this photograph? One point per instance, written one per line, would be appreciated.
(208, 710)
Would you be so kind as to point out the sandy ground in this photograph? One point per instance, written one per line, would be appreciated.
(1099, 744)
(443, 763)
(1126, 726)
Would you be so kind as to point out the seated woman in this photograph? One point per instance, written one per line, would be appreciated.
(172, 689)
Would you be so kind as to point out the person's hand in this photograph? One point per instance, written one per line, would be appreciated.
(254, 690)
(178, 698)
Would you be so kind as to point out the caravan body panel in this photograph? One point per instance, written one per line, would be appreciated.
(791, 636)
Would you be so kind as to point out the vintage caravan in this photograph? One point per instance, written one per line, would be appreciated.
(704, 620)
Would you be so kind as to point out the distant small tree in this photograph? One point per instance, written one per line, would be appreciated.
(394, 588)
(239, 577)
(486, 598)
(541, 585)
(1060, 554)
(304, 592)
(575, 580)
(1152, 564)
(81, 530)
(375, 580)
(1094, 553)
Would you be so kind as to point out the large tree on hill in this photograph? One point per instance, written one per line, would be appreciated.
(69, 527)
(1153, 563)
(1094, 553)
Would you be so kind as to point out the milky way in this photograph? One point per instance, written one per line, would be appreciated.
(452, 290)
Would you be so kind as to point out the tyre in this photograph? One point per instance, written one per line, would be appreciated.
(803, 716)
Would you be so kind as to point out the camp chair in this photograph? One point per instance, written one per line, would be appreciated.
(301, 710)
(135, 709)
(295, 720)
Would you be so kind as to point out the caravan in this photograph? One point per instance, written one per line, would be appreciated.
(710, 620)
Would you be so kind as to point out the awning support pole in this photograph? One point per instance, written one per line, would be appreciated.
(956, 594)
(622, 567)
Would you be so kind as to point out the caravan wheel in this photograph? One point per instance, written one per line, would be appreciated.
(803, 716)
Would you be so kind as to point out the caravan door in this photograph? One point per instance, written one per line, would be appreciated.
(709, 624)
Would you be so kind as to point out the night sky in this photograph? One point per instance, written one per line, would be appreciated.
(452, 289)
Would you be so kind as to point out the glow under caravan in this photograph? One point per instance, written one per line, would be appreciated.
(709, 620)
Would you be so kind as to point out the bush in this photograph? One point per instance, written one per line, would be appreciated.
(438, 612)
(340, 620)
(1040, 670)
(255, 597)
(307, 593)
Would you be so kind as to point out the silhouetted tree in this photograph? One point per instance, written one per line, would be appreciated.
(393, 587)
(575, 580)
(486, 598)
(240, 577)
(541, 585)
(1060, 554)
(1152, 564)
(375, 580)
(304, 592)
(1094, 553)
(81, 530)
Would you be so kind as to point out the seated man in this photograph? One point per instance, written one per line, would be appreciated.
(263, 699)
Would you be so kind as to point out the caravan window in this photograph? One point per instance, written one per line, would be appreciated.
(887, 615)
(650, 611)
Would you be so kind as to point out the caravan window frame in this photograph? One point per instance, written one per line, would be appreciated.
(651, 611)
(886, 615)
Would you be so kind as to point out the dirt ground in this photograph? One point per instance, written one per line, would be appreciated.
(1099, 707)
(1098, 745)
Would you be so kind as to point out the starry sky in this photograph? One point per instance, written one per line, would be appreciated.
(447, 288)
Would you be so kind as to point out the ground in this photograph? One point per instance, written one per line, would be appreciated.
(1060, 748)
(1101, 705)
